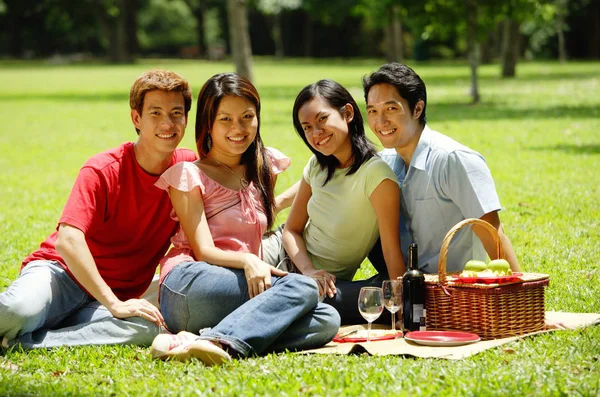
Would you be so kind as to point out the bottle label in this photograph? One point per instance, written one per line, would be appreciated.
(423, 321)
(418, 313)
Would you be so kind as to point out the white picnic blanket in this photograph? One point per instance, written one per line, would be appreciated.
(401, 346)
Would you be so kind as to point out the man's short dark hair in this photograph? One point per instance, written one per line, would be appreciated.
(408, 84)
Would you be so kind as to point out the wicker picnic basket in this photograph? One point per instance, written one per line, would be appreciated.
(491, 311)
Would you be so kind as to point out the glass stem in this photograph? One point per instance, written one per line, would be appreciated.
(369, 331)
(393, 321)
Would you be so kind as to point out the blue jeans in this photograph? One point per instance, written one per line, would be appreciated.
(213, 301)
(345, 300)
(44, 307)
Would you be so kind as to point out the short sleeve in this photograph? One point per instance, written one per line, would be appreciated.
(86, 204)
(377, 171)
(308, 173)
(182, 154)
(469, 183)
(279, 161)
(184, 176)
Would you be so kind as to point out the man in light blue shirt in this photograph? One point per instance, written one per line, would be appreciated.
(442, 181)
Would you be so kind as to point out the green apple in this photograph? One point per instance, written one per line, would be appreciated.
(475, 265)
(499, 265)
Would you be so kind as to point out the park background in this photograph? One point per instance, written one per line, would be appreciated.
(528, 101)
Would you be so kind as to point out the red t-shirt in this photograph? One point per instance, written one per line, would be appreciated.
(125, 218)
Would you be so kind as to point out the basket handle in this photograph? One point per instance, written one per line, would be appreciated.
(446, 243)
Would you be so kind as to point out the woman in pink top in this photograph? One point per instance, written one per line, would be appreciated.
(214, 281)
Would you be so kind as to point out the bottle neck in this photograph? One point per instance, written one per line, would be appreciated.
(413, 258)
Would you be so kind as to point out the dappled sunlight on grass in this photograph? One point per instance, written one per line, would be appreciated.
(538, 133)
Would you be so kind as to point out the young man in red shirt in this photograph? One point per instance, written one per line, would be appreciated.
(83, 285)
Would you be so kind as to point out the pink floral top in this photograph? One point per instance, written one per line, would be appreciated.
(236, 218)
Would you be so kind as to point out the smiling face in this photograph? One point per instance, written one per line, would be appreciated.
(326, 128)
(234, 128)
(162, 122)
(391, 119)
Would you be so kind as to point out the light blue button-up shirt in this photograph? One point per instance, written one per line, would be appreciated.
(445, 183)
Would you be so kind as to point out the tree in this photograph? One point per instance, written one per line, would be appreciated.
(241, 49)
(510, 46)
(390, 12)
(549, 21)
(46, 27)
(198, 8)
(560, 16)
(113, 15)
(201, 9)
(273, 9)
(168, 27)
(327, 13)
(15, 15)
(130, 16)
(473, 50)
(474, 19)
(514, 12)
(395, 50)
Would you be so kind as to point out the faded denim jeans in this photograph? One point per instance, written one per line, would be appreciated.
(44, 307)
(213, 301)
(346, 299)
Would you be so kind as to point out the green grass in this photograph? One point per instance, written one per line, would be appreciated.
(540, 136)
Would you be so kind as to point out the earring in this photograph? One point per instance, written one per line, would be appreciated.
(209, 141)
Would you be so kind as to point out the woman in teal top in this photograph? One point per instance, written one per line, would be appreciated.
(348, 197)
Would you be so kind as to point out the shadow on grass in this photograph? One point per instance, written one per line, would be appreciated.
(69, 97)
(266, 93)
(492, 111)
(533, 76)
(436, 112)
(569, 148)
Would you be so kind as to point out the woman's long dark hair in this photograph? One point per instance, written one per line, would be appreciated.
(337, 97)
(258, 166)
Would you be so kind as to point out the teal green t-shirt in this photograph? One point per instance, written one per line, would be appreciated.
(342, 226)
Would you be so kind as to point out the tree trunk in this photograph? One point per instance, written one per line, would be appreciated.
(387, 39)
(397, 34)
(199, 14)
(15, 37)
(510, 47)
(15, 21)
(489, 49)
(308, 36)
(241, 49)
(560, 31)
(114, 29)
(130, 9)
(393, 34)
(277, 36)
(121, 53)
(198, 8)
(594, 32)
(473, 47)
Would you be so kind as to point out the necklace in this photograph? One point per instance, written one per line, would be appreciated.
(243, 181)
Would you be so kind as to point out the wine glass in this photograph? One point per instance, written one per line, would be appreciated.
(370, 305)
(392, 298)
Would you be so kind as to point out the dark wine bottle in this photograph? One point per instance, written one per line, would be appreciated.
(413, 293)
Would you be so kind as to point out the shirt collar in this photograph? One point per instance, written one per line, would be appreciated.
(419, 157)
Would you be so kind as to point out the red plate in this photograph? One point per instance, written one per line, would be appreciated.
(361, 336)
(441, 338)
(491, 279)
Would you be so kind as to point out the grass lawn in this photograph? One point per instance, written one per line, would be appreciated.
(539, 134)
